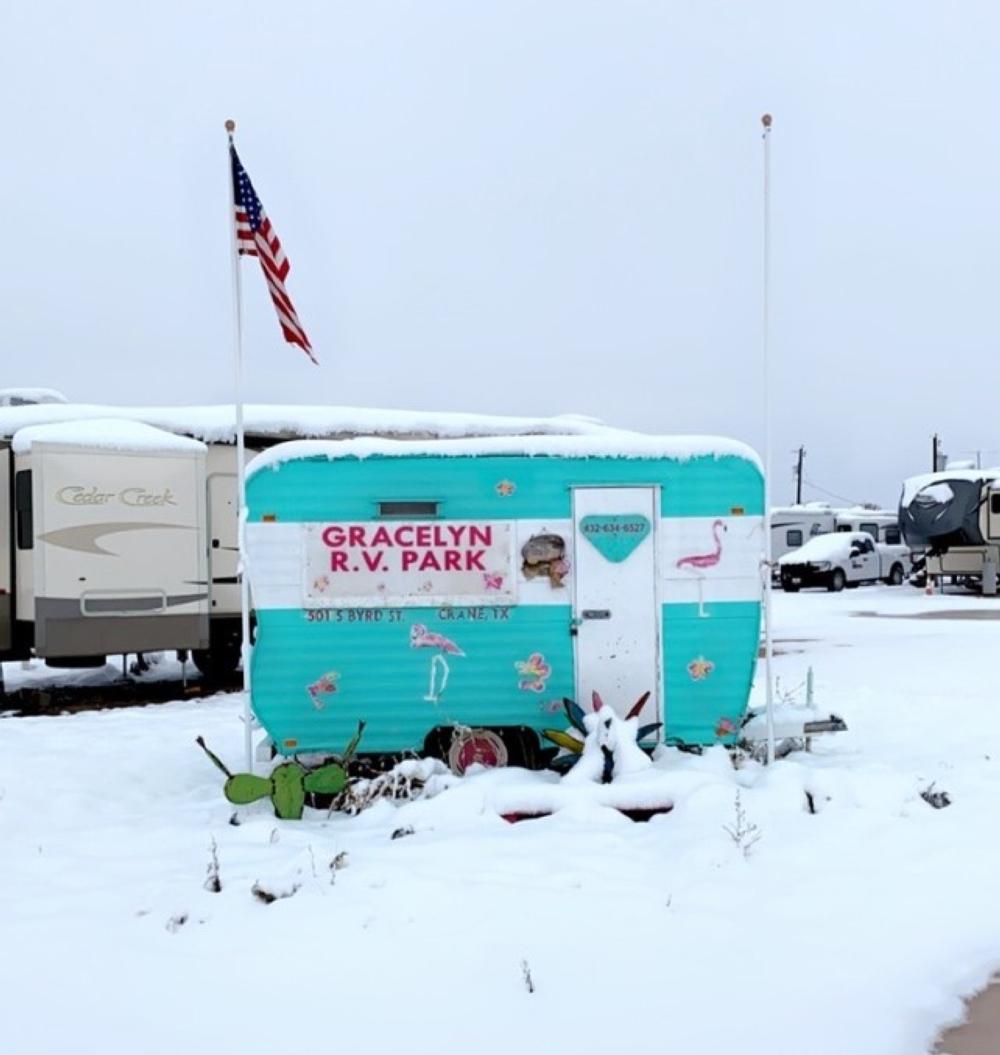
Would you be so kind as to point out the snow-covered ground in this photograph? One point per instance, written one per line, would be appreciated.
(854, 929)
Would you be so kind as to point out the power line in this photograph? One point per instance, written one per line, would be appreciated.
(833, 494)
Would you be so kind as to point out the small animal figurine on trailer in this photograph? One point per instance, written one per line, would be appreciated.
(288, 783)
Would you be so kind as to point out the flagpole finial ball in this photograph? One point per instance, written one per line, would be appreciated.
(766, 120)
(230, 126)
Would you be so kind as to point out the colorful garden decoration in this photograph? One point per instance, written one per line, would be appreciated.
(588, 730)
(289, 783)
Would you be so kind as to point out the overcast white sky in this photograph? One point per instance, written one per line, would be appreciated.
(523, 207)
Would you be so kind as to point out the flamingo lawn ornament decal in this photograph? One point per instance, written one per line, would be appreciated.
(421, 637)
(700, 562)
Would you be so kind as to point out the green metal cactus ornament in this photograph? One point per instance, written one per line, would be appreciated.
(289, 783)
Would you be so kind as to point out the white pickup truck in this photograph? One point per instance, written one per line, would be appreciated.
(844, 558)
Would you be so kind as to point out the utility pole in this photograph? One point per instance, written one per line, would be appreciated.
(934, 453)
(798, 476)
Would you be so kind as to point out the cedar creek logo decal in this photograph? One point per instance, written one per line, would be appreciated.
(128, 496)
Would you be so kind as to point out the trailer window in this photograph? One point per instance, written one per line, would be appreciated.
(793, 537)
(408, 509)
(995, 502)
(893, 537)
(869, 529)
(844, 527)
(816, 529)
(22, 506)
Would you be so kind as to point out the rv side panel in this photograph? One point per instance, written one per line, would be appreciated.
(120, 554)
(6, 554)
(341, 637)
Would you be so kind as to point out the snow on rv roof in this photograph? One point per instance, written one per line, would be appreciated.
(103, 433)
(915, 484)
(217, 424)
(606, 443)
(19, 397)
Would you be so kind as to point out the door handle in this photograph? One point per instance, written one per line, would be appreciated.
(596, 613)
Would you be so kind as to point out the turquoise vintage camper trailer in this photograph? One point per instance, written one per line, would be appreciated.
(433, 586)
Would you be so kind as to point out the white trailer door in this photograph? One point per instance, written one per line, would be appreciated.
(615, 603)
(223, 534)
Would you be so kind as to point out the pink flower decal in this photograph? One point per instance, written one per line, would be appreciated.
(725, 727)
(322, 687)
(505, 488)
(700, 668)
(534, 672)
(492, 581)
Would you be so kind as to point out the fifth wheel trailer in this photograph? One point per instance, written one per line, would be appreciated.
(955, 515)
(107, 521)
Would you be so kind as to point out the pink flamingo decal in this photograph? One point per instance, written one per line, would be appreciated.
(492, 581)
(706, 560)
(700, 562)
(421, 637)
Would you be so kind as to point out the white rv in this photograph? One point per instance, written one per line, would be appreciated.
(794, 526)
(110, 553)
(881, 524)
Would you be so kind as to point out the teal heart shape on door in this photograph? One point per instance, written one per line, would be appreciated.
(615, 537)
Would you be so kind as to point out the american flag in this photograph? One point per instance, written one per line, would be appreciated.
(255, 237)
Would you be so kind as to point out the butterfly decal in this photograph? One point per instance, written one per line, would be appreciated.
(534, 671)
(492, 581)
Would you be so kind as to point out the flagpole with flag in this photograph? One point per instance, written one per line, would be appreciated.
(240, 457)
(251, 234)
(766, 121)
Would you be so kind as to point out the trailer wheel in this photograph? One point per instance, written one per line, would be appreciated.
(515, 745)
(789, 588)
(895, 575)
(837, 581)
(217, 663)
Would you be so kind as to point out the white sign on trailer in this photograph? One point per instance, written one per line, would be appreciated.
(408, 563)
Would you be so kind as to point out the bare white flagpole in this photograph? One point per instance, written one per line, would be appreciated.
(766, 337)
(240, 459)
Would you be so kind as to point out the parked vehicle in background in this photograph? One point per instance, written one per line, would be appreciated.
(955, 515)
(843, 558)
(793, 526)
(881, 524)
(109, 554)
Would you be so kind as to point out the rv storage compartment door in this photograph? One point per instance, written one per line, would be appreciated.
(615, 609)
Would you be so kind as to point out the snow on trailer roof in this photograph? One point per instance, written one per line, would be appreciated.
(217, 424)
(599, 443)
(915, 484)
(19, 397)
(105, 434)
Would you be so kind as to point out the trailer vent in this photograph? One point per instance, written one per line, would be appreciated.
(408, 509)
